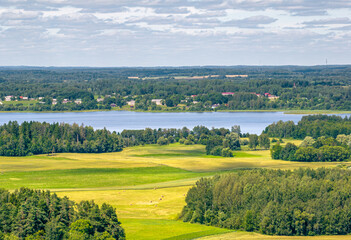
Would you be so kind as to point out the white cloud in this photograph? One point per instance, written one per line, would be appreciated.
(172, 32)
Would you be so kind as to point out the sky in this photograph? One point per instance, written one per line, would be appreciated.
(116, 33)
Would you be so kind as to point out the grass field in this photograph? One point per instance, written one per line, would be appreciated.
(146, 184)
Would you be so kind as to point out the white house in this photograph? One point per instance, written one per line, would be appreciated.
(157, 101)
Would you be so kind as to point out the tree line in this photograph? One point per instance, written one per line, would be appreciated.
(313, 125)
(44, 138)
(38, 215)
(303, 202)
(297, 87)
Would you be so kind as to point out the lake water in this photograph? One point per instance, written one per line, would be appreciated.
(252, 122)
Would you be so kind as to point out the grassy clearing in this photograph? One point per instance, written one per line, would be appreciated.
(93, 178)
(163, 203)
(256, 236)
(166, 229)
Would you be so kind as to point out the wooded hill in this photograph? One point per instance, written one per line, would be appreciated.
(302, 202)
(37, 215)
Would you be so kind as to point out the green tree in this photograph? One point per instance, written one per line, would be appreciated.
(253, 141)
(264, 141)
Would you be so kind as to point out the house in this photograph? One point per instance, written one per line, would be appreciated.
(40, 98)
(100, 99)
(157, 101)
(131, 103)
(78, 101)
(193, 96)
(235, 76)
(113, 105)
(215, 106)
(66, 101)
(272, 97)
(195, 102)
(54, 101)
(24, 98)
(227, 93)
(8, 98)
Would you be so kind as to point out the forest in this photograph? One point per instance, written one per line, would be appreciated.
(36, 215)
(31, 138)
(180, 89)
(303, 202)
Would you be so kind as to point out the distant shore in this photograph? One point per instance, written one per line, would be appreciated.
(285, 111)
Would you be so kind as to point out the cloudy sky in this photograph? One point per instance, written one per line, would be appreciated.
(174, 32)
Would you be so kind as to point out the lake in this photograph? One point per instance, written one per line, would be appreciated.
(252, 122)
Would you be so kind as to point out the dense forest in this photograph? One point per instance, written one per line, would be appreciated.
(38, 215)
(179, 89)
(276, 202)
(38, 138)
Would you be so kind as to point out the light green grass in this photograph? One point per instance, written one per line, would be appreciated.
(93, 178)
(153, 229)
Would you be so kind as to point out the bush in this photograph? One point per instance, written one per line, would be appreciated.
(162, 141)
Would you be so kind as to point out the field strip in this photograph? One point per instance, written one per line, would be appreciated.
(169, 184)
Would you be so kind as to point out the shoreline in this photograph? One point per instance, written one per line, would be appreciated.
(285, 111)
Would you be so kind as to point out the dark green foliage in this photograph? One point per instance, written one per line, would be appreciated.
(33, 215)
(276, 151)
(253, 141)
(264, 141)
(314, 126)
(232, 141)
(288, 152)
(301, 202)
(38, 138)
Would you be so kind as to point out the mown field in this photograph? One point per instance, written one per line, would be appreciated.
(146, 184)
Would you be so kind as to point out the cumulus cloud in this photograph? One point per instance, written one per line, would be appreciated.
(170, 32)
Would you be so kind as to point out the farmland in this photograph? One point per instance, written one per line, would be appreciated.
(147, 184)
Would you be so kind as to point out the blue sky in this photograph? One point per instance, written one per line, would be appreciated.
(174, 32)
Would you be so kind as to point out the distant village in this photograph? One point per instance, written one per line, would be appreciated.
(130, 103)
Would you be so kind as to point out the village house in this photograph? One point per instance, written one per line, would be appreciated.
(157, 101)
(65, 101)
(23, 98)
(270, 96)
(78, 101)
(40, 98)
(113, 105)
(227, 93)
(131, 103)
(215, 106)
(54, 101)
(8, 98)
(100, 99)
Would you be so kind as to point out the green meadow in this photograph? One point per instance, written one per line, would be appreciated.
(146, 184)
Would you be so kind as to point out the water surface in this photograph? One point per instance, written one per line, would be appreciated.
(252, 122)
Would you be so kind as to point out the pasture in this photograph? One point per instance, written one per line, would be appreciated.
(146, 184)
